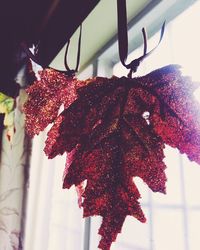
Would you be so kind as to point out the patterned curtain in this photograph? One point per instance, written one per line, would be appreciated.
(13, 183)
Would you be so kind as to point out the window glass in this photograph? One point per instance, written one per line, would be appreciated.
(54, 220)
(168, 229)
(134, 235)
(194, 222)
(173, 218)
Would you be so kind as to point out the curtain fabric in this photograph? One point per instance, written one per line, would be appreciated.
(13, 179)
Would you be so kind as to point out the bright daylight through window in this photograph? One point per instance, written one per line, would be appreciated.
(173, 220)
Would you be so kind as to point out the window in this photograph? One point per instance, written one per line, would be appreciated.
(54, 220)
(172, 220)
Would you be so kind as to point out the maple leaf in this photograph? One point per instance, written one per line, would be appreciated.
(46, 96)
(116, 130)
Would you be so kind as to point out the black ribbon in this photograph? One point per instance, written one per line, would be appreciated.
(69, 72)
(123, 39)
(73, 71)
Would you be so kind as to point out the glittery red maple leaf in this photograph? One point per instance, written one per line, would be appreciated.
(116, 130)
(46, 96)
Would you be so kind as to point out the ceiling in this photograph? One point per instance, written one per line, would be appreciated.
(50, 23)
(36, 22)
(98, 29)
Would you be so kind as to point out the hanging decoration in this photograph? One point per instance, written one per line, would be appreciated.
(53, 89)
(45, 98)
(114, 130)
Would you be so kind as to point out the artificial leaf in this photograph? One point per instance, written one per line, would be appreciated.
(9, 122)
(7, 105)
(116, 130)
(46, 96)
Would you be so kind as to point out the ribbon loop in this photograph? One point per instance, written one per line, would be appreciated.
(70, 71)
(31, 55)
(123, 39)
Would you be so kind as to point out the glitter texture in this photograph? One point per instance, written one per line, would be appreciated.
(109, 141)
(45, 97)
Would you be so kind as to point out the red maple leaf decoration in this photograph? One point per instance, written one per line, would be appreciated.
(46, 96)
(110, 141)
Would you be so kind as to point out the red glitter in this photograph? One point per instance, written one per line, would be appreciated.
(45, 97)
(109, 141)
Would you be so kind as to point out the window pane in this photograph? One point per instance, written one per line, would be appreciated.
(134, 236)
(192, 182)
(186, 43)
(168, 230)
(66, 223)
(173, 185)
(86, 73)
(194, 222)
(94, 236)
(171, 229)
(64, 239)
(143, 189)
